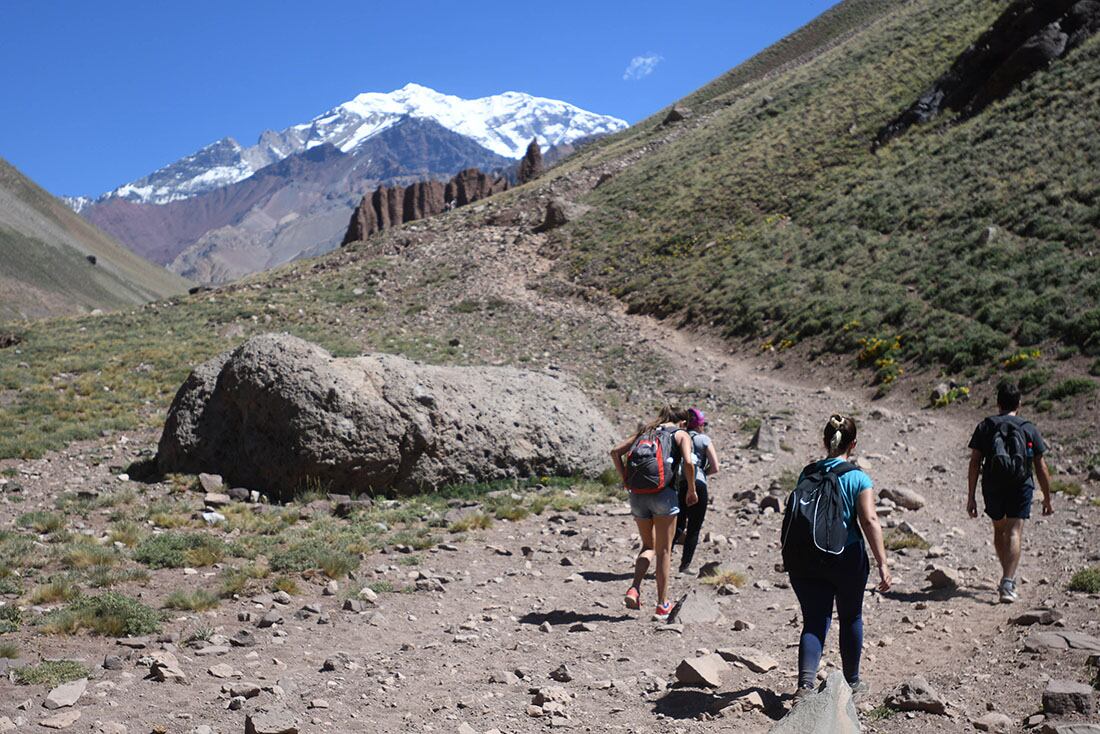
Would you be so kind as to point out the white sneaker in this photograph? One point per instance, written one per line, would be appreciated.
(1007, 591)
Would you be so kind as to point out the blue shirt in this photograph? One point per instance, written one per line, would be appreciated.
(851, 485)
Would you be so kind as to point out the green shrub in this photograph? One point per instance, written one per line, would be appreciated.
(9, 651)
(176, 550)
(191, 601)
(1087, 580)
(110, 614)
(10, 618)
(127, 532)
(41, 522)
(471, 521)
(50, 673)
(315, 555)
(286, 584)
(895, 540)
(57, 588)
(1069, 489)
(1034, 379)
(1071, 387)
(1094, 369)
(952, 395)
(235, 581)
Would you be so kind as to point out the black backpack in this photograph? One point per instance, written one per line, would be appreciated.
(651, 461)
(1007, 466)
(814, 533)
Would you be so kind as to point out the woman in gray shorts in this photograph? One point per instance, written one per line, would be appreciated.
(655, 510)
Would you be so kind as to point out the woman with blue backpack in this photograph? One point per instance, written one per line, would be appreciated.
(824, 553)
(689, 523)
(648, 463)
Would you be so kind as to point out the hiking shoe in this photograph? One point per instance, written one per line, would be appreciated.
(801, 692)
(633, 598)
(859, 688)
(662, 612)
(1007, 591)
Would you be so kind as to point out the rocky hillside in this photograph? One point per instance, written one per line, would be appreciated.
(52, 262)
(227, 210)
(498, 607)
(772, 216)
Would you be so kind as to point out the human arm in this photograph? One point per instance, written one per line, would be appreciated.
(712, 460)
(972, 482)
(868, 521)
(617, 457)
(683, 440)
(1042, 473)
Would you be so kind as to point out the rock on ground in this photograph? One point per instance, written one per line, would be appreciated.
(702, 671)
(995, 722)
(65, 694)
(271, 721)
(766, 439)
(695, 608)
(830, 710)
(560, 212)
(941, 577)
(751, 658)
(916, 694)
(279, 411)
(63, 720)
(1063, 697)
(902, 497)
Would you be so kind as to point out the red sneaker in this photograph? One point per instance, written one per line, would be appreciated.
(633, 598)
(662, 612)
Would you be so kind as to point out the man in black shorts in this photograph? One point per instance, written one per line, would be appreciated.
(1005, 449)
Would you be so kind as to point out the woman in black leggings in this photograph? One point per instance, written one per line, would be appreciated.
(844, 580)
(689, 523)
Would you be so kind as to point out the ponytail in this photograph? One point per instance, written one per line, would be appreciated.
(840, 432)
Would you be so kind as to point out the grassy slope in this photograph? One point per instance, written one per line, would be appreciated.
(804, 232)
(43, 265)
(773, 221)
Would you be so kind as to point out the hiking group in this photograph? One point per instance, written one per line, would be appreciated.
(829, 519)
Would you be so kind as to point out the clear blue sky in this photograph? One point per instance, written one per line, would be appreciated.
(99, 93)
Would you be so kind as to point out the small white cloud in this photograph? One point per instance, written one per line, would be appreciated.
(641, 66)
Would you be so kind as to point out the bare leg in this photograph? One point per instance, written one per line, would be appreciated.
(646, 554)
(664, 529)
(1008, 537)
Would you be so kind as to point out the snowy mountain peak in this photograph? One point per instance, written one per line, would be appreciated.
(503, 123)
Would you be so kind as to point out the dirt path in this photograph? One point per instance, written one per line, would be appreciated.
(475, 652)
(517, 601)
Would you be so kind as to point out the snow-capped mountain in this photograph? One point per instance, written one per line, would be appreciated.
(503, 124)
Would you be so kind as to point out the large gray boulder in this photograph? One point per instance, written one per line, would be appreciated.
(829, 710)
(278, 414)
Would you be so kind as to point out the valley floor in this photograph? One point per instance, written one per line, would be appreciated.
(474, 652)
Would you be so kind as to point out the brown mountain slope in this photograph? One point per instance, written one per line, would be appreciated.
(53, 262)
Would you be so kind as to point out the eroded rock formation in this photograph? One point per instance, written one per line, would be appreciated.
(530, 167)
(389, 207)
(1028, 36)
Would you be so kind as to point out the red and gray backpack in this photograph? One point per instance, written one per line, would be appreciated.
(651, 461)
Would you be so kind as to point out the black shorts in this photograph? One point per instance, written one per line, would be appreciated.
(1014, 503)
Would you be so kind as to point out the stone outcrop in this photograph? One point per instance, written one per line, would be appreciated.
(471, 185)
(829, 710)
(389, 207)
(678, 113)
(278, 414)
(560, 212)
(1026, 38)
(530, 167)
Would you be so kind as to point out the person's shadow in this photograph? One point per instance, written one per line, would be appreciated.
(561, 616)
(605, 576)
(688, 703)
